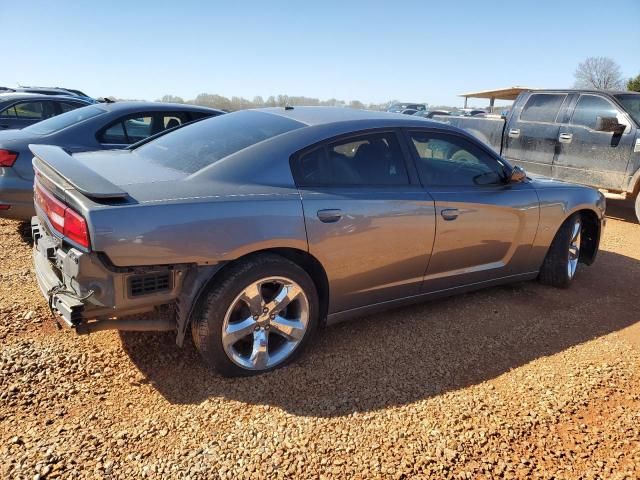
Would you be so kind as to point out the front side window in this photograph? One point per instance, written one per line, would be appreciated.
(590, 107)
(373, 159)
(542, 107)
(447, 160)
(631, 103)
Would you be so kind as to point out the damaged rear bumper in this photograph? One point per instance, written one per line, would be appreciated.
(87, 295)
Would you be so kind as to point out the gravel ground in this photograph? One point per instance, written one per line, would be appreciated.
(522, 381)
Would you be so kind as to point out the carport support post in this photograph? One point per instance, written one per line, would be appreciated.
(465, 101)
(491, 102)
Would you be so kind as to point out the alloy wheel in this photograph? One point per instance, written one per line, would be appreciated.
(265, 323)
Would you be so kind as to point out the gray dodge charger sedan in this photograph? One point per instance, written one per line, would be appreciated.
(254, 228)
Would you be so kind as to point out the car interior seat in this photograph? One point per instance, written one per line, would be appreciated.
(174, 122)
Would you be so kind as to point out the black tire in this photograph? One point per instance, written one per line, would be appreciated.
(555, 271)
(208, 317)
(638, 207)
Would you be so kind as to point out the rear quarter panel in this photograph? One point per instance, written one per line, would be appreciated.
(200, 231)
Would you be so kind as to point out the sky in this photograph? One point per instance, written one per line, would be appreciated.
(372, 51)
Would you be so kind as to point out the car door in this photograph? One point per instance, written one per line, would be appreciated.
(485, 227)
(368, 220)
(593, 157)
(531, 137)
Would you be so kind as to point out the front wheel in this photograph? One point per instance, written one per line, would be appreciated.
(561, 263)
(258, 316)
(638, 207)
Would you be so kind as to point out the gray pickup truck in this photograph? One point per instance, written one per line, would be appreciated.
(587, 137)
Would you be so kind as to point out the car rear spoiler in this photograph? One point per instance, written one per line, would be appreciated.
(76, 173)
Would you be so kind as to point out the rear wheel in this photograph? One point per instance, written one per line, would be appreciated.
(638, 207)
(258, 316)
(561, 263)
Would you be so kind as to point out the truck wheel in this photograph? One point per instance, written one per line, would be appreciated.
(638, 207)
(259, 315)
(560, 264)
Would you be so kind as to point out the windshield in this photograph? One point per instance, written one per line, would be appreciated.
(631, 103)
(193, 147)
(64, 120)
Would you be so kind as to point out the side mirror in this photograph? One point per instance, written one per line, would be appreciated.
(517, 175)
(609, 124)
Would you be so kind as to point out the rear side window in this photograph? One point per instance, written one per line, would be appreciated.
(30, 110)
(590, 107)
(114, 134)
(542, 107)
(127, 131)
(9, 112)
(373, 159)
(201, 144)
(138, 128)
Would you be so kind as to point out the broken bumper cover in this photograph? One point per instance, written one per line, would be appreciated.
(66, 303)
(88, 296)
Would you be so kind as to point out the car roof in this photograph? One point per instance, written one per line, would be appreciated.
(6, 96)
(152, 106)
(580, 90)
(312, 116)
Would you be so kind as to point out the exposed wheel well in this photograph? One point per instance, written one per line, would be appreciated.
(316, 271)
(303, 259)
(590, 236)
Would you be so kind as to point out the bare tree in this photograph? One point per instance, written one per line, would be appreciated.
(600, 73)
(171, 99)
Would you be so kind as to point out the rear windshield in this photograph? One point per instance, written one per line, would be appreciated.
(631, 103)
(64, 120)
(193, 147)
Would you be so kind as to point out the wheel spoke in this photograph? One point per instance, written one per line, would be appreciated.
(286, 295)
(577, 227)
(290, 329)
(252, 296)
(573, 252)
(237, 331)
(260, 353)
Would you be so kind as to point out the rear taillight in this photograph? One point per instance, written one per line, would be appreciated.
(7, 158)
(62, 218)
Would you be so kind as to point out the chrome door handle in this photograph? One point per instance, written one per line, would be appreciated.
(514, 133)
(565, 137)
(330, 215)
(450, 213)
